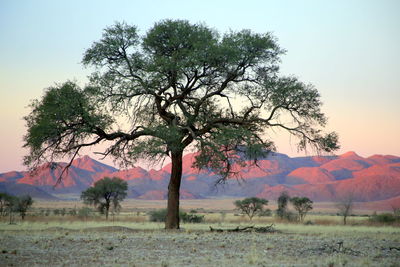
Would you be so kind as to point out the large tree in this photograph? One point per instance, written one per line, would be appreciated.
(106, 193)
(179, 86)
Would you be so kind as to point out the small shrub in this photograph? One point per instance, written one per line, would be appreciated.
(47, 212)
(161, 215)
(84, 212)
(191, 217)
(63, 211)
(158, 215)
(265, 213)
(72, 212)
(288, 216)
(383, 218)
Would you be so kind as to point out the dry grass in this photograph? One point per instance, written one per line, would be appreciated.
(147, 244)
(130, 240)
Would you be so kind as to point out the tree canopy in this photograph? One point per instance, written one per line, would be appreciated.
(23, 204)
(105, 193)
(251, 206)
(302, 205)
(179, 86)
(283, 201)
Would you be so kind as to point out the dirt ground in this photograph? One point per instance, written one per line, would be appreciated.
(123, 246)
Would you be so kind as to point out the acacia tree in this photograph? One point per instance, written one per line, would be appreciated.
(345, 206)
(175, 87)
(10, 204)
(105, 193)
(23, 203)
(251, 206)
(302, 205)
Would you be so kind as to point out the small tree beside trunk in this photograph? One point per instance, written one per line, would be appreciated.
(105, 194)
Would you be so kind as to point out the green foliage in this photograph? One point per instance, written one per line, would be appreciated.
(72, 212)
(158, 215)
(175, 86)
(302, 205)
(251, 206)
(84, 212)
(191, 217)
(265, 213)
(106, 193)
(62, 119)
(175, 83)
(10, 204)
(161, 215)
(23, 203)
(283, 200)
(384, 218)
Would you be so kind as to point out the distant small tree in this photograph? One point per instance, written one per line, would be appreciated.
(3, 204)
(302, 205)
(107, 192)
(10, 205)
(283, 201)
(22, 205)
(251, 206)
(72, 212)
(396, 211)
(63, 211)
(345, 206)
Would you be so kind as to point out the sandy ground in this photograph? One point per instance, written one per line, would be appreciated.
(122, 246)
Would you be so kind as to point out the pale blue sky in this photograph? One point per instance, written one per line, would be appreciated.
(350, 50)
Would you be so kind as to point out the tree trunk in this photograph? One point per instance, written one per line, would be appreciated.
(107, 208)
(172, 220)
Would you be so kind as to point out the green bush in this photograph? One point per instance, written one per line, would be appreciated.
(84, 212)
(384, 218)
(161, 215)
(191, 217)
(265, 213)
(158, 215)
(72, 212)
(288, 216)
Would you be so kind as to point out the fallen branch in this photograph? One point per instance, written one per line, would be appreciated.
(266, 229)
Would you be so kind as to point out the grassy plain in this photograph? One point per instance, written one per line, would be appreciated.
(131, 240)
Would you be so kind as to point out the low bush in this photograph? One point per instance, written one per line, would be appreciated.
(161, 215)
(265, 213)
(158, 215)
(384, 218)
(84, 212)
(288, 216)
(191, 217)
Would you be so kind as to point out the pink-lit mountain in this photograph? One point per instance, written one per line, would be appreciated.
(376, 178)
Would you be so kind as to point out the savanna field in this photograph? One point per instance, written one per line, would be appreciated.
(51, 236)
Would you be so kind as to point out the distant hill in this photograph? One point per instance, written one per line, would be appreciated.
(25, 189)
(323, 178)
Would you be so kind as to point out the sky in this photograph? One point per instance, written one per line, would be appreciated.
(349, 50)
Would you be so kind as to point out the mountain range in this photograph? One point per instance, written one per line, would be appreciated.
(321, 178)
